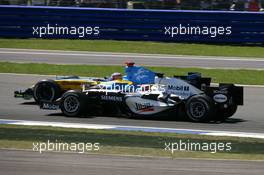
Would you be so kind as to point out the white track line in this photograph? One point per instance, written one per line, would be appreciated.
(133, 128)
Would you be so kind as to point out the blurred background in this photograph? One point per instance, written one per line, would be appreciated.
(234, 5)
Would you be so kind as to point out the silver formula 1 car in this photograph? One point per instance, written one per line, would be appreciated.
(191, 96)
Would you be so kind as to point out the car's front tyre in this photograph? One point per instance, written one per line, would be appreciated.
(72, 104)
(46, 90)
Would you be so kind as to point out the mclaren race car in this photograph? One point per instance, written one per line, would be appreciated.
(153, 94)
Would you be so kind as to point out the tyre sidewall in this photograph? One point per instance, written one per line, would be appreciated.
(224, 114)
(77, 96)
(199, 100)
(56, 90)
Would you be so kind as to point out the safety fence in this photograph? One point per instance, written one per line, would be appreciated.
(123, 24)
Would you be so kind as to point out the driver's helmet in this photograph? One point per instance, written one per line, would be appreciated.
(116, 76)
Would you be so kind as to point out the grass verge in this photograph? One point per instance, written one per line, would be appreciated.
(131, 143)
(135, 47)
(218, 75)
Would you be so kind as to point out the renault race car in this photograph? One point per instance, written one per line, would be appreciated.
(52, 89)
(190, 95)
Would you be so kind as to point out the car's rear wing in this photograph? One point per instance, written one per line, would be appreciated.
(237, 92)
(230, 90)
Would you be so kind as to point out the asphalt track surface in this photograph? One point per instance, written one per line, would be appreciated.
(31, 163)
(249, 118)
(95, 58)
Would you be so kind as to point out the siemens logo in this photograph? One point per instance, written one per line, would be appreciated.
(111, 98)
(178, 88)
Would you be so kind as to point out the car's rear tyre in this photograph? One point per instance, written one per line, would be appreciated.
(72, 104)
(226, 113)
(199, 108)
(46, 90)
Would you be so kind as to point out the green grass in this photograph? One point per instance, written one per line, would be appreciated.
(129, 143)
(135, 47)
(218, 75)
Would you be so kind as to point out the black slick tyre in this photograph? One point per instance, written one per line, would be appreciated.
(226, 113)
(46, 90)
(199, 108)
(73, 104)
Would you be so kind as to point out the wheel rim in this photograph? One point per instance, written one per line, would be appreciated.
(197, 109)
(71, 104)
(45, 92)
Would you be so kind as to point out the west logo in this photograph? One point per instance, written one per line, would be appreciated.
(144, 107)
